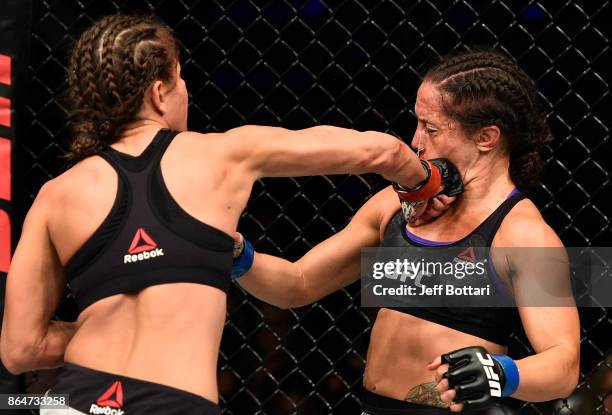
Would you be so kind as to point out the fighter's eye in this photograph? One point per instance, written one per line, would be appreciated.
(430, 131)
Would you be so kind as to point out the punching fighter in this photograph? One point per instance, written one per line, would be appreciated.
(141, 228)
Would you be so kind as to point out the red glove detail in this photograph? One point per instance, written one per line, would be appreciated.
(429, 189)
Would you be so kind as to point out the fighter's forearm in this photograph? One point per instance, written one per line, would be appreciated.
(396, 161)
(548, 375)
(51, 351)
(47, 352)
(274, 280)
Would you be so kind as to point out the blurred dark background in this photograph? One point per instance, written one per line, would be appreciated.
(298, 63)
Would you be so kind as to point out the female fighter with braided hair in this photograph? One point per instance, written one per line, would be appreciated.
(479, 110)
(141, 227)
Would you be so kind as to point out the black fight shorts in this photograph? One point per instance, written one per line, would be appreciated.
(373, 404)
(94, 392)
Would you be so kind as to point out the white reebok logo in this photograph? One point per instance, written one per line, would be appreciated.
(143, 247)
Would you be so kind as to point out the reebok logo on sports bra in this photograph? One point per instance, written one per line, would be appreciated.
(147, 238)
(110, 402)
(143, 247)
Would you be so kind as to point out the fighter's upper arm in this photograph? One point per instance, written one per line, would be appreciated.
(35, 282)
(540, 272)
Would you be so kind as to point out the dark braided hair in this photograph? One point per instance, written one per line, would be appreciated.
(485, 87)
(111, 66)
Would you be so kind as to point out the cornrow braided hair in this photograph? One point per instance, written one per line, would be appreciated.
(110, 68)
(486, 87)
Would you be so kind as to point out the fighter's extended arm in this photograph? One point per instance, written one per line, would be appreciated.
(329, 266)
(279, 152)
(34, 287)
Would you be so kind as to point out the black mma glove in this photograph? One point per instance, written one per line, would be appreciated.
(451, 179)
(480, 378)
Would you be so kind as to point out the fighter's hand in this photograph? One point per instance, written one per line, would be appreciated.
(433, 197)
(442, 178)
(471, 378)
(435, 207)
(238, 244)
(447, 395)
(244, 254)
(451, 178)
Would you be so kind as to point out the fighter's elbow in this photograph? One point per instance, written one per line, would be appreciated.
(288, 301)
(16, 359)
(571, 379)
(19, 350)
(563, 391)
(291, 301)
(296, 302)
(567, 382)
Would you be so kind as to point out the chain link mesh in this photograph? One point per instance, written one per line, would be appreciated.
(297, 63)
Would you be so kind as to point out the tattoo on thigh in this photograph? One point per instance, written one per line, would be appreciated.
(426, 394)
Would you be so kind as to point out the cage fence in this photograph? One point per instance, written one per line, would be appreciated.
(357, 64)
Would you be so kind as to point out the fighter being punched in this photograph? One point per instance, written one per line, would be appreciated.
(479, 110)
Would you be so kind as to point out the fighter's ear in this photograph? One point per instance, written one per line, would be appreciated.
(156, 96)
(488, 137)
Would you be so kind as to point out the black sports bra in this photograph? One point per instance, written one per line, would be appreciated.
(495, 324)
(147, 238)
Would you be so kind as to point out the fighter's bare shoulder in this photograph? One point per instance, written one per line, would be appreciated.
(89, 186)
(378, 210)
(88, 175)
(524, 226)
(55, 187)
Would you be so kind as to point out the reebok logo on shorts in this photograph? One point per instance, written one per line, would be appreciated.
(110, 402)
(143, 247)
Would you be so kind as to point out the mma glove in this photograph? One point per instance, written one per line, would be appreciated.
(480, 378)
(244, 254)
(440, 172)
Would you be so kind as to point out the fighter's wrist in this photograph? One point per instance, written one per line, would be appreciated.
(243, 262)
(427, 168)
(424, 190)
(510, 373)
